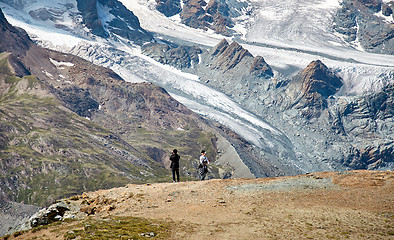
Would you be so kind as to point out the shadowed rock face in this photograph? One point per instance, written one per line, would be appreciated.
(260, 68)
(387, 9)
(169, 7)
(13, 39)
(357, 20)
(124, 23)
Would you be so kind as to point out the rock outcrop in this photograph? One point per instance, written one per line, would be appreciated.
(358, 20)
(311, 88)
(111, 18)
(45, 216)
(213, 15)
(169, 7)
(225, 57)
(177, 56)
(387, 9)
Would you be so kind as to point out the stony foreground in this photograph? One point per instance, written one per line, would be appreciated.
(328, 205)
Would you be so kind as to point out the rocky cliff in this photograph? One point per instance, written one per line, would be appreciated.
(359, 21)
(122, 23)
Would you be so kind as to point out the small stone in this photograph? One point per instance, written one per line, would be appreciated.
(87, 227)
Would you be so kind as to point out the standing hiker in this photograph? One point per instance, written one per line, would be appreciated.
(174, 158)
(203, 167)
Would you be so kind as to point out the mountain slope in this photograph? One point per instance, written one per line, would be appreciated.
(250, 86)
(255, 90)
(70, 126)
(255, 102)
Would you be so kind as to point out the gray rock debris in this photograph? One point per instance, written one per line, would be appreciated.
(45, 216)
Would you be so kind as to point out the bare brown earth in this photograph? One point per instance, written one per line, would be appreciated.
(328, 205)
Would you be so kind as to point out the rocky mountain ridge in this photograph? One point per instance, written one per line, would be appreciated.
(309, 103)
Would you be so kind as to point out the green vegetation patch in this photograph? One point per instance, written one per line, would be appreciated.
(4, 68)
(120, 228)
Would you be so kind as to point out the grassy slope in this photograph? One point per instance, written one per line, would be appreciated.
(48, 152)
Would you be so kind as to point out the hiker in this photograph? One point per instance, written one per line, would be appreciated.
(174, 158)
(203, 167)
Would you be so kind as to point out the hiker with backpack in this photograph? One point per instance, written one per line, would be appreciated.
(203, 167)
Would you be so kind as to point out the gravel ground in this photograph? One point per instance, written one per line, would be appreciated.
(303, 183)
(13, 214)
(328, 205)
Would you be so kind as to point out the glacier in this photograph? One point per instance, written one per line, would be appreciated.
(288, 34)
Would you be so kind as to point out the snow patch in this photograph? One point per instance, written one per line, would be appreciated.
(104, 15)
(388, 19)
(59, 64)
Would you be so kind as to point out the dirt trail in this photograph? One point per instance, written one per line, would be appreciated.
(350, 205)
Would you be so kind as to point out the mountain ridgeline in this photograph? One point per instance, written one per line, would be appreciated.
(356, 20)
(326, 129)
(69, 126)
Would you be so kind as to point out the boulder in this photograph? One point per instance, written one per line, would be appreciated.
(53, 213)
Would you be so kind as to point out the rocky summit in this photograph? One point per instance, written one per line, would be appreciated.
(311, 88)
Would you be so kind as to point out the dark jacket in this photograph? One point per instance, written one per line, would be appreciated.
(174, 158)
